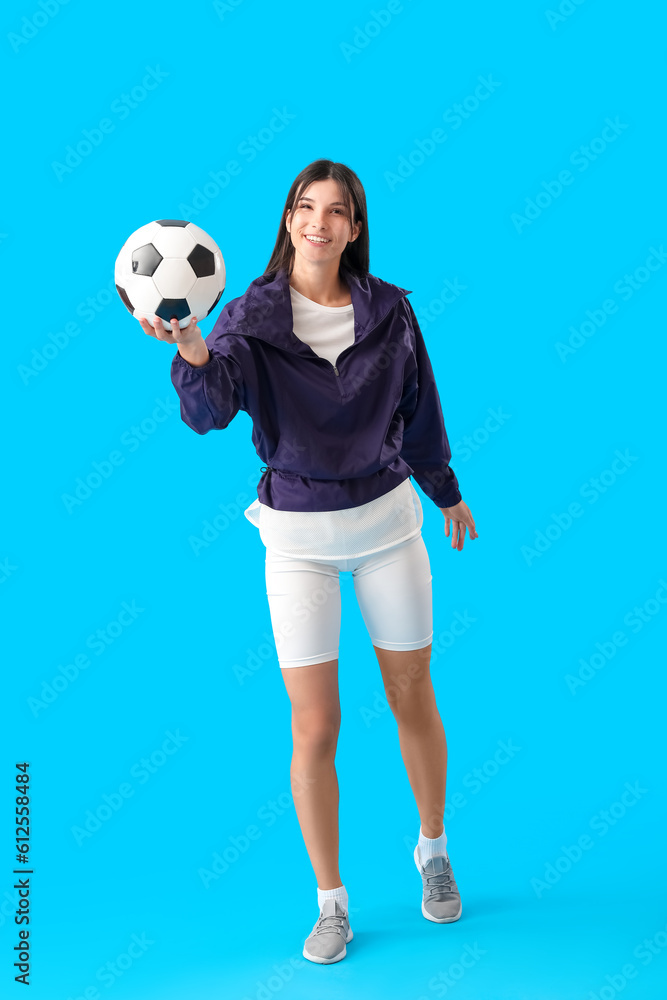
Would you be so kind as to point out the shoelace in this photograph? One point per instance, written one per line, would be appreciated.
(323, 928)
(438, 884)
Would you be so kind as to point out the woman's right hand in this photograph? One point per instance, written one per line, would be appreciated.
(188, 335)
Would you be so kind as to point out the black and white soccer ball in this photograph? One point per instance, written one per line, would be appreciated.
(170, 268)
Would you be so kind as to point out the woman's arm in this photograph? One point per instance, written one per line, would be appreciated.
(425, 445)
(208, 380)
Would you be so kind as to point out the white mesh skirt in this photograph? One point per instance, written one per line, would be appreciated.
(341, 534)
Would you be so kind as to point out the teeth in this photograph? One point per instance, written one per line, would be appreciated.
(316, 239)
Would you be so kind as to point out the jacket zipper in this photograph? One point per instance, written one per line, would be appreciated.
(337, 374)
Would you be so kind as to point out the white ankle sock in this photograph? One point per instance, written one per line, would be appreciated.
(340, 893)
(430, 846)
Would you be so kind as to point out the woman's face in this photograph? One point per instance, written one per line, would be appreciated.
(321, 211)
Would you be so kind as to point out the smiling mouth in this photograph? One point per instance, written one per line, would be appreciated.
(316, 242)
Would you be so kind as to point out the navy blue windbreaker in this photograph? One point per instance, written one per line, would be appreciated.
(331, 436)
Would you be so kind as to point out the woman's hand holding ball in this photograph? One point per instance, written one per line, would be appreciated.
(191, 344)
(189, 333)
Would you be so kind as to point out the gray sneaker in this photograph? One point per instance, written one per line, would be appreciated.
(326, 942)
(441, 901)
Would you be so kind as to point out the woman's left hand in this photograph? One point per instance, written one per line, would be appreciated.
(460, 517)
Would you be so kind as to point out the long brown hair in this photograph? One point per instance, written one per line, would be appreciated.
(355, 256)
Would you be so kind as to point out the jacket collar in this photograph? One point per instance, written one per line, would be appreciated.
(265, 310)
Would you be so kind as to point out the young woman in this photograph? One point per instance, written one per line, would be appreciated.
(329, 362)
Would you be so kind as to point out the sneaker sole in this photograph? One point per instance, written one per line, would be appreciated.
(328, 961)
(429, 916)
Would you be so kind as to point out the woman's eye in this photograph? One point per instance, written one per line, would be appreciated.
(340, 212)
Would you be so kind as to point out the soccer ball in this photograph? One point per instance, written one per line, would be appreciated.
(170, 268)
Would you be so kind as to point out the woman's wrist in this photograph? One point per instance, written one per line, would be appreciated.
(195, 352)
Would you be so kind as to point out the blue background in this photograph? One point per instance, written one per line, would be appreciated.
(366, 89)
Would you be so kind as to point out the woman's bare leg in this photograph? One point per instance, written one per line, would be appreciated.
(313, 693)
(409, 691)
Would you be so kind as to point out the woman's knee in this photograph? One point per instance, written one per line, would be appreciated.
(414, 704)
(315, 731)
(407, 680)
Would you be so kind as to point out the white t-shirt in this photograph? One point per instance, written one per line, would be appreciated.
(336, 534)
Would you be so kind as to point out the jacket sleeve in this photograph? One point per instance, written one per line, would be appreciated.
(425, 445)
(212, 394)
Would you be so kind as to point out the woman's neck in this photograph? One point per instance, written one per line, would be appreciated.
(321, 284)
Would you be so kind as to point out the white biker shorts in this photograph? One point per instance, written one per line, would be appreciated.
(393, 590)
